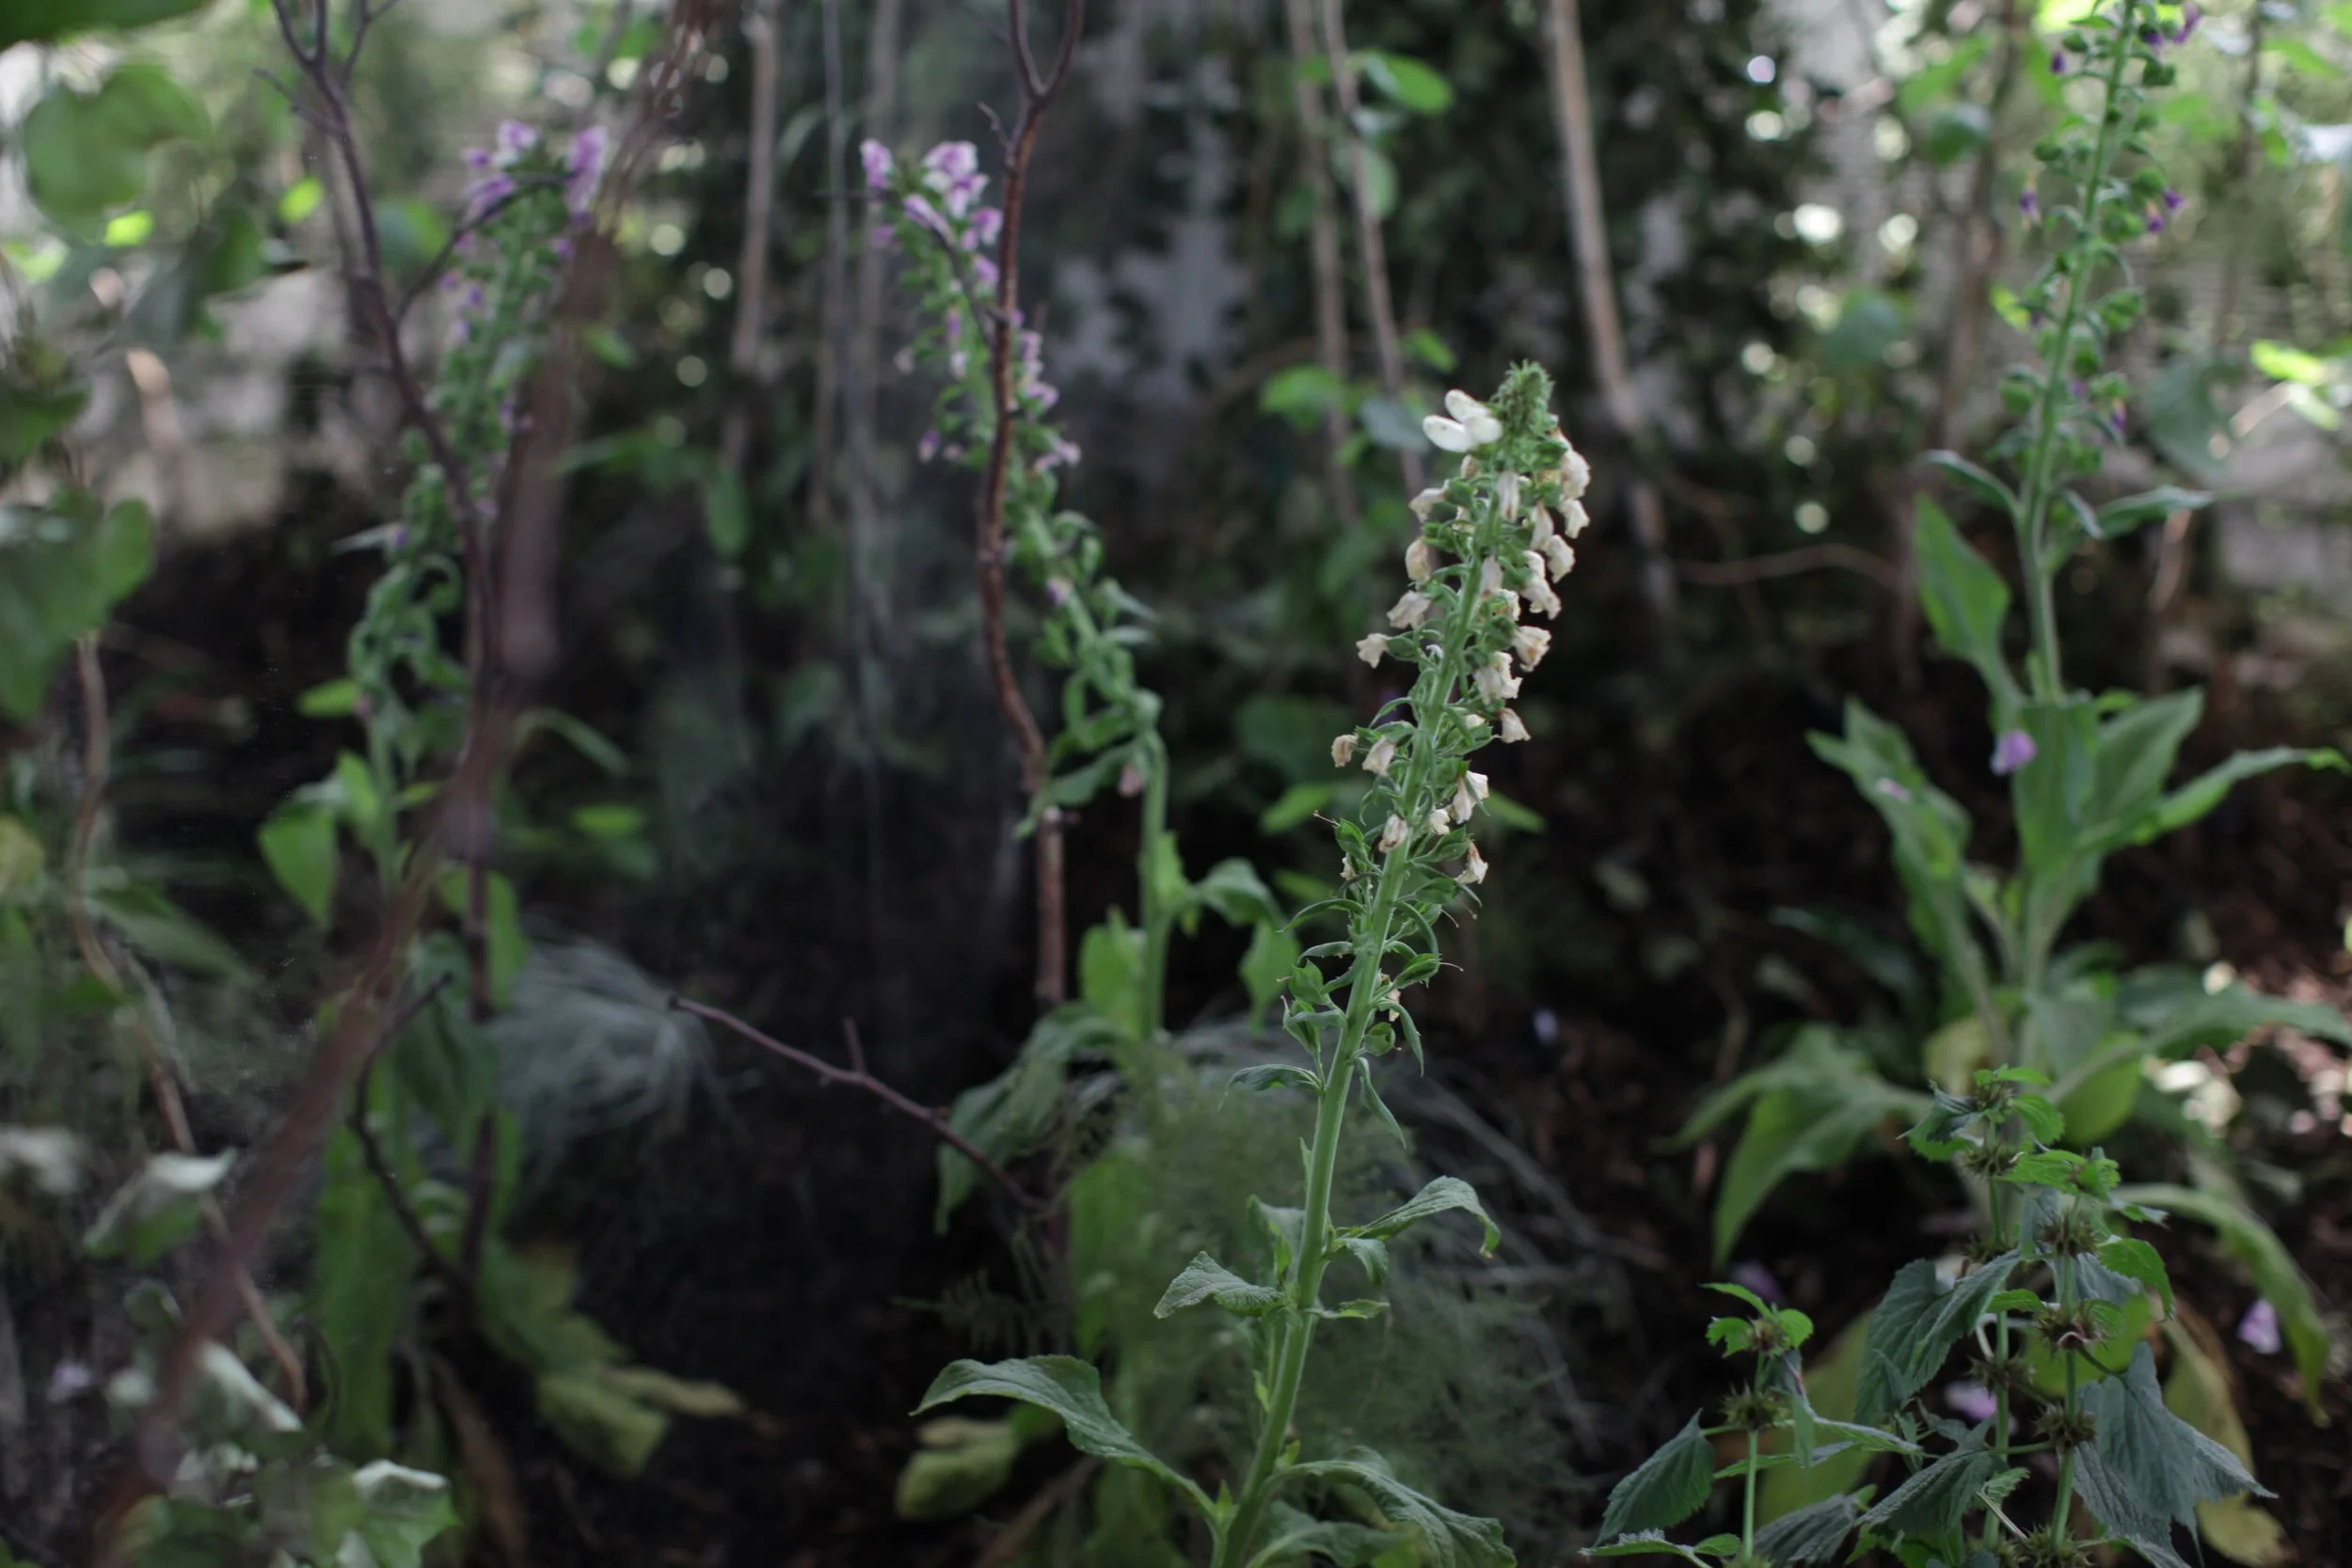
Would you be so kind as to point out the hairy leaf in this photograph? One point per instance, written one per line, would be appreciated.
(1811, 1535)
(2147, 1469)
(1965, 599)
(1445, 1192)
(1936, 1497)
(1447, 1540)
(1295, 1537)
(1670, 1486)
(1072, 1389)
(1915, 1326)
(1206, 1279)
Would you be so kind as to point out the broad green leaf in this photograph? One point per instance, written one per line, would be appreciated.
(298, 843)
(1110, 974)
(1954, 133)
(1670, 1486)
(1411, 84)
(1272, 953)
(2274, 1270)
(1301, 394)
(1206, 1279)
(2147, 1469)
(1447, 1540)
(2199, 796)
(2286, 362)
(2136, 1260)
(1914, 1328)
(359, 1298)
(1829, 1384)
(1233, 889)
(2199, 1391)
(1809, 1125)
(1372, 1256)
(961, 1465)
(1265, 1075)
(161, 930)
(61, 571)
(1965, 599)
(599, 1421)
(2220, 1019)
(1293, 1538)
(1812, 1535)
(1070, 1388)
(407, 1510)
(2119, 517)
(2136, 751)
(1936, 1497)
(1445, 1192)
(1979, 481)
(26, 21)
(2052, 792)
(86, 153)
(1869, 322)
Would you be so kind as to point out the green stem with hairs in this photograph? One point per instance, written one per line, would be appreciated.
(2033, 514)
(1159, 920)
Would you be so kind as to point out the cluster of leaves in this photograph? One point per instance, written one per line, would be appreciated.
(2052, 1302)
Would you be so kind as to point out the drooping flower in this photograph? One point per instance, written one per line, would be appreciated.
(514, 139)
(2259, 1328)
(1531, 644)
(1409, 612)
(988, 223)
(1507, 497)
(1393, 833)
(878, 162)
(1574, 519)
(1541, 523)
(1508, 728)
(1468, 790)
(2029, 204)
(1576, 475)
(1474, 867)
(1420, 564)
(1559, 556)
(1439, 823)
(1539, 594)
(1426, 503)
(1381, 757)
(1371, 648)
(1494, 680)
(1342, 749)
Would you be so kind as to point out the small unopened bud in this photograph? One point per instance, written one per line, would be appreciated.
(1531, 644)
(1394, 834)
(1420, 563)
(1382, 754)
(1410, 611)
(1508, 728)
(1342, 749)
(1371, 648)
(1473, 869)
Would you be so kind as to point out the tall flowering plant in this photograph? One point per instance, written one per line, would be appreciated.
(1492, 541)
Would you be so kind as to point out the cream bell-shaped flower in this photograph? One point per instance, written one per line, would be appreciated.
(1490, 576)
(1507, 497)
(1426, 503)
(1394, 833)
(1372, 647)
(1421, 562)
(1531, 644)
(1574, 519)
(1468, 790)
(1539, 594)
(1540, 524)
(1473, 869)
(1410, 611)
(1495, 681)
(1439, 823)
(1508, 728)
(1561, 555)
(1576, 475)
(1381, 756)
(1342, 749)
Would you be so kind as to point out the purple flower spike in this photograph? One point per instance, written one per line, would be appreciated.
(2012, 750)
(2259, 1328)
(1756, 1278)
(515, 138)
(1971, 1402)
(2029, 204)
(585, 169)
(987, 224)
(875, 157)
(2058, 62)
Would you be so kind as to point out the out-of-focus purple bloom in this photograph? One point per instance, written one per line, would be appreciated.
(952, 325)
(1971, 1402)
(1756, 1276)
(2029, 204)
(1057, 590)
(927, 448)
(961, 192)
(2153, 37)
(477, 159)
(2012, 750)
(1892, 790)
(928, 215)
(2155, 220)
(488, 192)
(2259, 1327)
(988, 223)
(883, 236)
(949, 161)
(2191, 15)
(2174, 201)
(2115, 420)
(1045, 395)
(585, 170)
(514, 139)
(2058, 62)
(876, 160)
(1061, 452)
(984, 272)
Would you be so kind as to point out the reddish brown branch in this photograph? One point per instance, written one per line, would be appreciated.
(856, 1077)
(1037, 92)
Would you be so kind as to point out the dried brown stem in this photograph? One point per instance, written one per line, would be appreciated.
(1323, 242)
(1580, 179)
(97, 763)
(1037, 92)
(856, 1077)
(1370, 248)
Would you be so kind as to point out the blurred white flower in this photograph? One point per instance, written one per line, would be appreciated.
(1343, 749)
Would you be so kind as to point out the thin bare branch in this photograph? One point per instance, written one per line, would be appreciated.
(858, 1078)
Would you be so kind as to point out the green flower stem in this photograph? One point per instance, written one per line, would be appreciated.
(2034, 502)
(1366, 987)
(2062, 1513)
(1159, 919)
(1747, 1506)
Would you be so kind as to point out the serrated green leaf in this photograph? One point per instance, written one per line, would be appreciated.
(2135, 1259)
(2147, 1469)
(1914, 1328)
(1670, 1486)
(1935, 1498)
(1812, 1535)
(1447, 1538)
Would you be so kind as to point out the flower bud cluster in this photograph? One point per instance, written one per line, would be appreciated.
(1493, 540)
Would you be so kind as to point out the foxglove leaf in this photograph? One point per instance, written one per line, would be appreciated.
(1445, 1192)
(1670, 1486)
(1447, 1540)
(1206, 1279)
(1069, 1388)
(1979, 481)
(1966, 601)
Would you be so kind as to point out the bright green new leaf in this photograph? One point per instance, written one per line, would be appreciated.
(1071, 1389)
(1206, 1279)
(1302, 394)
(1670, 1486)
(2286, 362)
(298, 843)
(86, 153)
(1445, 1192)
(960, 1465)
(2136, 1260)
(1447, 1540)
(1412, 85)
